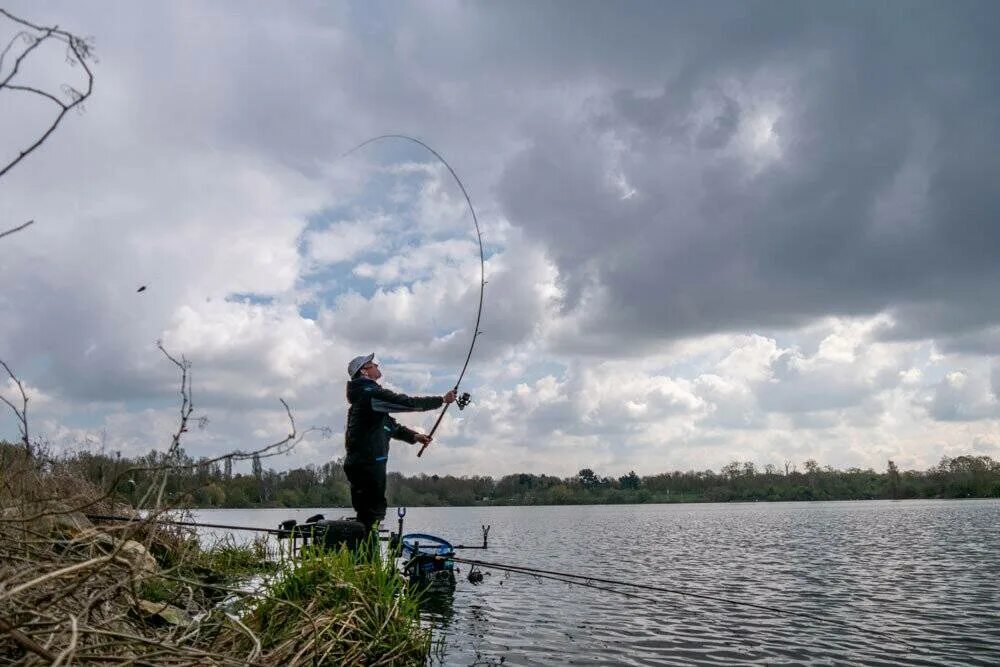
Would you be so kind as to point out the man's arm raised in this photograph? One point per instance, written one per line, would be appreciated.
(384, 400)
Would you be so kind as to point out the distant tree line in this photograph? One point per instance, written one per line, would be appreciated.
(203, 484)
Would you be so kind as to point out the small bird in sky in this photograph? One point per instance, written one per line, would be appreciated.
(141, 289)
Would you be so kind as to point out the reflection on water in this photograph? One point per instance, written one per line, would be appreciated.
(437, 600)
(924, 573)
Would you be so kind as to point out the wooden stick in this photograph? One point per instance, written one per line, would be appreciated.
(26, 642)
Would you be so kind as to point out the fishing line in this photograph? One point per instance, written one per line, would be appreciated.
(585, 580)
(574, 582)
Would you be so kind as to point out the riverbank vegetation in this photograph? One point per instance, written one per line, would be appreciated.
(214, 484)
(343, 609)
(75, 589)
(90, 573)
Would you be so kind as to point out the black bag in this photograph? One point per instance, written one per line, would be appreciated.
(331, 534)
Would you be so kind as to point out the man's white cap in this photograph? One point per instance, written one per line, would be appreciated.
(357, 363)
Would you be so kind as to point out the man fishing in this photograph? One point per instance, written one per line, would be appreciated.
(369, 428)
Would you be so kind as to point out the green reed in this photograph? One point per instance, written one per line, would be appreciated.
(338, 607)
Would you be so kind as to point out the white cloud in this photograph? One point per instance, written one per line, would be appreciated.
(343, 241)
(685, 265)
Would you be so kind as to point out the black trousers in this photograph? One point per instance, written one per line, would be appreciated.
(367, 491)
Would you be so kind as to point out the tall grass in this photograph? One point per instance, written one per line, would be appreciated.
(337, 608)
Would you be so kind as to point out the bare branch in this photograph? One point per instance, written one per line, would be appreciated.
(20, 35)
(16, 229)
(36, 91)
(22, 639)
(21, 414)
(187, 404)
(78, 52)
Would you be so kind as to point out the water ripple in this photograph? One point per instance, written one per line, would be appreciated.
(901, 583)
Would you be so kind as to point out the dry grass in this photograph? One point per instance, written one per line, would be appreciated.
(71, 593)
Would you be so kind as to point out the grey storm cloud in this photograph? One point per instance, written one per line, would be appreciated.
(882, 195)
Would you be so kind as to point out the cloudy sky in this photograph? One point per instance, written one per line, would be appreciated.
(714, 231)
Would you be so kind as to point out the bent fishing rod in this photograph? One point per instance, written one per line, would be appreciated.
(461, 399)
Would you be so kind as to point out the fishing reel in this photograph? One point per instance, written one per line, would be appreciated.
(463, 400)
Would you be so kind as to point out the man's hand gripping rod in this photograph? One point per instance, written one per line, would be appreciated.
(462, 400)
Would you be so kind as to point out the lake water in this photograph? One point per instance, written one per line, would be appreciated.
(908, 582)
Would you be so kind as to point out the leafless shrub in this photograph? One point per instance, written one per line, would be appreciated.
(70, 593)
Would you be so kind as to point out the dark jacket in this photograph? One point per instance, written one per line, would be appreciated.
(369, 425)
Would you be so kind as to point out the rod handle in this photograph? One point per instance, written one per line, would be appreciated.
(436, 424)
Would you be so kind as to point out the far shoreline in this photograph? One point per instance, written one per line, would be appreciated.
(650, 504)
